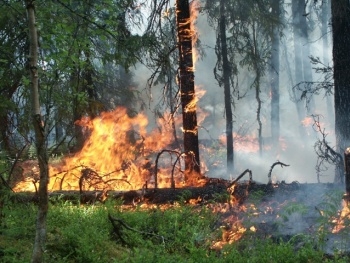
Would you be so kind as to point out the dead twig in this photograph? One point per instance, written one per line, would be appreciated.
(231, 187)
(178, 155)
(272, 166)
(241, 175)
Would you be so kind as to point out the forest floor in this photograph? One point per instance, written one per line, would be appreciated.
(291, 223)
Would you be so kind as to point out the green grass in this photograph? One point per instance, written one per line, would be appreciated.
(83, 233)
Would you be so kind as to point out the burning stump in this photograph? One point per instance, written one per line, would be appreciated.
(347, 175)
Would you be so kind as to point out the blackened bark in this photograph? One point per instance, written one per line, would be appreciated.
(274, 75)
(186, 81)
(227, 90)
(257, 69)
(341, 60)
(40, 137)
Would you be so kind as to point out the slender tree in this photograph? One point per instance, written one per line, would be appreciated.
(305, 51)
(227, 89)
(325, 13)
(297, 13)
(274, 75)
(186, 81)
(40, 136)
(341, 60)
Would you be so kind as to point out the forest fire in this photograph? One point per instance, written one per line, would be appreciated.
(118, 154)
(343, 219)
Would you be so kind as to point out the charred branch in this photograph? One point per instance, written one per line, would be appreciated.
(240, 176)
(178, 155)
(325, 153)
(272, 166)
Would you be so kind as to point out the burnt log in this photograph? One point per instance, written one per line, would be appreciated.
(347, 175)
(217, 190)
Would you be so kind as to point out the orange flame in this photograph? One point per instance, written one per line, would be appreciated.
(194, 10)
(192, 33)
(340, 222)
(118, 154)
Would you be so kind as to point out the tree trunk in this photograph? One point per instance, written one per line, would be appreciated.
(341, 60)
(227, 91)
(186, 82)
(325, 47)
(274, 75)
(256, 84)
(40, 137)
(296, 13)
(305, 52)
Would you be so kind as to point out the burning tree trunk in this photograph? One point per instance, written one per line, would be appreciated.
(347, 175)
(186, 81)
(226, 82)
(39, 137)
(341, 59)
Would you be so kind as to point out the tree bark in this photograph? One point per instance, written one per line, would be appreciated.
(40, 137)
(186, 81)
(341, 60)
(227, 90)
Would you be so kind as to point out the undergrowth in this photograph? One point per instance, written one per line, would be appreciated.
(183, 233)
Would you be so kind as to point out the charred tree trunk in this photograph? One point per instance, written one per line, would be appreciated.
(258, 111)
(256, 84)
(186, 81)
(40, 137)
(274, 75)
(227, 90)
(341, 61)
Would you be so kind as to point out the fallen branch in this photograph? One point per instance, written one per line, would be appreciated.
(118, 225)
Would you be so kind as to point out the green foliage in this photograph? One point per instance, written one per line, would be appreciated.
(293, 207)
(261, 251)
(77, 43)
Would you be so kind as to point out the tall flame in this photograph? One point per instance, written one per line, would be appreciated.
(119, 153)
